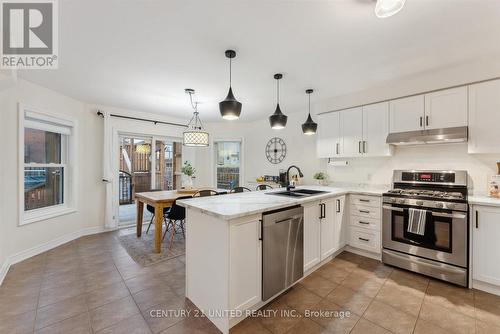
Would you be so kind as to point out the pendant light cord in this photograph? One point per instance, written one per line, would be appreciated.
(309, 95)
(278, 90)
(230, 71)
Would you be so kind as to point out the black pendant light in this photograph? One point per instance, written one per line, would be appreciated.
(230, 108)
(309, 127)
(278, 119)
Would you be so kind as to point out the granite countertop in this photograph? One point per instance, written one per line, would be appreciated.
(237, 205)
(482, 199)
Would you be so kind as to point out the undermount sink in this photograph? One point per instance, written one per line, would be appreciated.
(297, 193)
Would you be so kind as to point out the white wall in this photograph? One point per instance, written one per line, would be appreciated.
(89, 189)
(378, 171)
(301, 149)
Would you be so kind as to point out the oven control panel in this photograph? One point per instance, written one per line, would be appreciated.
(428, 177)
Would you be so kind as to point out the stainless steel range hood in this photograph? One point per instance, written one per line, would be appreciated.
(433, 136)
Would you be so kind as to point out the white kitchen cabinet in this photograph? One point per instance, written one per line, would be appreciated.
(328, 228)
(446, 108)
(312, 233)
(484, 117)
(407, 114)
(339, 234)
(245, 264)
(376, 129)
(485, 244)
(351, 132)
(328, 143)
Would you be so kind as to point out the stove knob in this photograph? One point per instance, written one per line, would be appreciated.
(419, 202)
(401, 201)
(450, 206)
(439, 205)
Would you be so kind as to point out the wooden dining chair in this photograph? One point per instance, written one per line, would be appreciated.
(263, 187)
(205, 193)
(239, 190)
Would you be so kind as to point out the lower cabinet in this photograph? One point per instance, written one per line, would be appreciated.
(485, 244)
(245, 266)
(365, 223)
(323, 229)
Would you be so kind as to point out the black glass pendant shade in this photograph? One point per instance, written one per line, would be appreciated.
(230, 108)
(309, 127)
(278, 119)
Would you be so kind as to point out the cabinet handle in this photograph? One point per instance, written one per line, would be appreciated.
(359, 146)
(260, 230)
(426, 120)
(364, 211)
(363, 239)
(364, 146)
(320, 211)
(421, 121)
(477, 219)
(338, 205)
(324, 210)
(337, 148)
(364, 223)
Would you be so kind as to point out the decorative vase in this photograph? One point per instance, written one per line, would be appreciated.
(321, 182)
(188, 182)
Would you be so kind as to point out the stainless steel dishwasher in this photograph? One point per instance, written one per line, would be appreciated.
(283, 249)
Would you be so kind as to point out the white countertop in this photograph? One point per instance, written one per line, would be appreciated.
(483, 200)
(244, 204)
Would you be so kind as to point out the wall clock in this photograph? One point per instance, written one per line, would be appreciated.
(276, 150)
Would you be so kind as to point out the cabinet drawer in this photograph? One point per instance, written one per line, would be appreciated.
(367, 223)
(365, 211)
(366, 200)
(364, 239)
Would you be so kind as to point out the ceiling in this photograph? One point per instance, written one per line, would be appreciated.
(141, 54)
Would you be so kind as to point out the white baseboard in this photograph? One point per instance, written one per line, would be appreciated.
(364, 253)
(487, 287)
(26, 254)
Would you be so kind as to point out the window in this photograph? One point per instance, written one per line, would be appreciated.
(228, 164)
(46, 166)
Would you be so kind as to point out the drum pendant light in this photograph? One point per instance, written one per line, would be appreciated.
(278, 119)
(309, 127)
(195, 135)
(230, 108)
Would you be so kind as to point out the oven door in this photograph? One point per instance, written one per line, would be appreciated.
(448, 244)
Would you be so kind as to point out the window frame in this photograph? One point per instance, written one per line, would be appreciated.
(242, 181)
(68, 163)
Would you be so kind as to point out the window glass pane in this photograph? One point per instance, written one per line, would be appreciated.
(228, 164)
(42, 146)
(43, 187)
(164, 165)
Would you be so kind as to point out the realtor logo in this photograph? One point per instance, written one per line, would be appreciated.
(29, 34)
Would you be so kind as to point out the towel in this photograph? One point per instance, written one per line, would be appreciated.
(416, 221)
(428, 238)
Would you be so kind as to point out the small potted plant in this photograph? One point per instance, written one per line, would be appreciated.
(188, 170)
(321, 178)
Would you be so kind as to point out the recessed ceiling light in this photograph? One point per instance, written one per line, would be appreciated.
(386, 8)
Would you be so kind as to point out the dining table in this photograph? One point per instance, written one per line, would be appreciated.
(159, 200)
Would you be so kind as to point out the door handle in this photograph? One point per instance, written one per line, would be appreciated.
(338, 205)
(477, 219)
(260, 230)
(363, 239)
(426, 120)
(421, 121)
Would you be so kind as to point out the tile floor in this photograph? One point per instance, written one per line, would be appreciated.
(91, 285)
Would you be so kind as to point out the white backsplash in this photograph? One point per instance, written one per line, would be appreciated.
(378, 171)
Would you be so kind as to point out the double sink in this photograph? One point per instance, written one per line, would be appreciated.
(297, 193)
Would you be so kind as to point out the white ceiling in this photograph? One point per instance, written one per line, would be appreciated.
(141, 54)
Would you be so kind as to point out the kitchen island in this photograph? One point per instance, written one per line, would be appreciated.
(224, 246)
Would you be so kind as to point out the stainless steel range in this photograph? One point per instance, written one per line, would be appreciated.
(425, 224)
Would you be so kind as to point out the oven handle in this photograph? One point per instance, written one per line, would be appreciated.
(449, 215)
(392, 208)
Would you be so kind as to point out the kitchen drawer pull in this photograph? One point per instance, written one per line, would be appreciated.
(363, 239)
(364, 211)
(364, 223)
(364, 200)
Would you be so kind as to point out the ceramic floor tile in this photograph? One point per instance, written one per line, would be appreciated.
(447, 319)
(301, 299)
(333, 273)
(487, 328)
(487, 307)
(249, 326)
(79, 324)
(59, 311)
(425, 327)
(450, 296)
(317, 284)
(172, 311)
(364, 326)
(307, 326)
(153, 296)
(401, 299)
(132, 325)
(390, 318)
(112, 313)
(350, 300)
(106, 294)
(19, 324)
(367, 285)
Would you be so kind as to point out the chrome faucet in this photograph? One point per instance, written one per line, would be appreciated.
(288, 183)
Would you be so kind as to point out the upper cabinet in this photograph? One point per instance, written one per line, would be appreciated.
(351, 130)
(484, 117)
(446, 108)
(328, 135)
(376, 129)
(407, 114)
